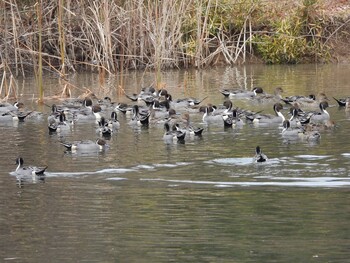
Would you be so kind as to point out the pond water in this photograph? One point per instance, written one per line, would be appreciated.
(202, 201)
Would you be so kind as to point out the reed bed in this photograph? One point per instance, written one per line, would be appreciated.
(115, 35)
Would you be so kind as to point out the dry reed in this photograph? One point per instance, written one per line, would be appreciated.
(117, 35)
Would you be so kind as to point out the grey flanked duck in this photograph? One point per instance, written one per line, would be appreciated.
(322, 115)
(28, 171)
(241, 93)
(86, 146)
(277, 118)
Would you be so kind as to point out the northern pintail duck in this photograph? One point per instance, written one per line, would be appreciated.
(103, 128)
(210, 116)
(241, 93)
(123, 108)
(190, 129)
(259, 157)
(6, 107)
(322, 115)
(269, 98)
(140, 118)
(277, 118)
(347, 104)
(113, 122)
(61, 126)
(341, 102)
(310, 135)
(86, 146)
(232, 119)
(28, 171)
(288, 131)
(9, 117)
(299, 98)
(173, 135)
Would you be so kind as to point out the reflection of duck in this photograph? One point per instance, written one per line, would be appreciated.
(259, 157)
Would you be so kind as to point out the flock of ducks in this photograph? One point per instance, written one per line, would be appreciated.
(307, 117)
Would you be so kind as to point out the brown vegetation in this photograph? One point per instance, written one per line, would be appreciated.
(66, 35)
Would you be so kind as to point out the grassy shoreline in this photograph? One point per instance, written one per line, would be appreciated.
(65, 36)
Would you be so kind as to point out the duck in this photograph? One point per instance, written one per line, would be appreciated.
(140, 118)
(103, 128)
(341, 102)
(210, 116)
(347, 104)
(6, 107)
(310, 135)
(123, 108)
(299, 98)
(190, 129)
(232, 119)
(31, 171)
(288, 131)
(86, 146)
(269, 98)
(174, 135)
(277, 118)
(60, 126)
(241, 93)
(322, 115)
(8, 117)
(169, 136)
(113, 123)
(259, 157)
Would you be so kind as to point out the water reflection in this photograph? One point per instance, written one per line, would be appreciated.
(202, 201)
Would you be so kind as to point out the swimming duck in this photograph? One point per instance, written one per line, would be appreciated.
(174, 135)
(190, 129)
(268, 118)
(259, 157)
(140, 118)
(347, 104)
(269, 98)
(310, 135)
(86, 146)
(290, 132)
(241, 93)
(60, 126)
(341, 102)
(103, 128)
(210, 116)
(168, 136)
(113, 122)
(28, 171)
(321, 116)
(8, 117)
(232, 120)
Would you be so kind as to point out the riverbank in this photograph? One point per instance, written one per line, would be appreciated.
(114, 36)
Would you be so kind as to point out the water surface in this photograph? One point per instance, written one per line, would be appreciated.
(202, 201)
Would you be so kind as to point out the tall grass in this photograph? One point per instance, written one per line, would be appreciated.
(118, 35)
